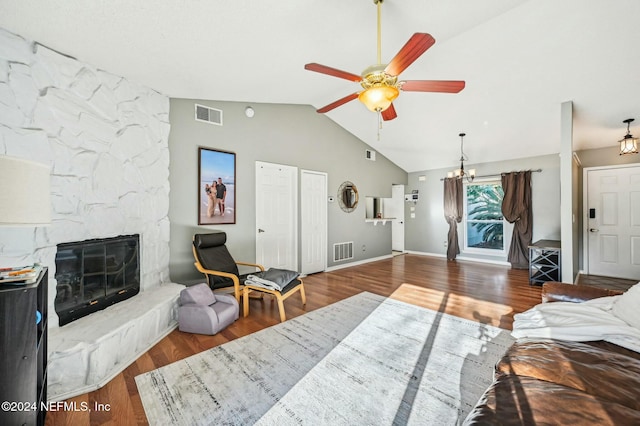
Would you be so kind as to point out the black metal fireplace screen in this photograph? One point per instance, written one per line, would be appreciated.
(94, 274)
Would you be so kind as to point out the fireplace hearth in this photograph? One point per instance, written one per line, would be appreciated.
(94, 274)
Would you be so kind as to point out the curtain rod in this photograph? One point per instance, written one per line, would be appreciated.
(501, 174)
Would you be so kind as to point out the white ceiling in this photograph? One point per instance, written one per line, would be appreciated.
(520, 59)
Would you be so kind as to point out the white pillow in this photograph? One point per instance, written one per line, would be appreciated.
(627, 307)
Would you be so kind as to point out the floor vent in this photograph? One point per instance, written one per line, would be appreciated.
(342, 251)
(208, 115)
(370, 155)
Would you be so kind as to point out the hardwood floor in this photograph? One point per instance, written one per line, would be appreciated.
(612, 283)
(478, 292)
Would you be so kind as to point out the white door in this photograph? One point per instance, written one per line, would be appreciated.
(276, 216)
(613, 222)
(397, 211)
(313, 221)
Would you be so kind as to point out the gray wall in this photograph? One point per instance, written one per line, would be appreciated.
(594, 158)
(427, 233)
(605, 157)
(286, 134)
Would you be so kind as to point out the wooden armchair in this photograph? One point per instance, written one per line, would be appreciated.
(216, 263)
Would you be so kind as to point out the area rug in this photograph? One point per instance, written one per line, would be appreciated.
(364, 360)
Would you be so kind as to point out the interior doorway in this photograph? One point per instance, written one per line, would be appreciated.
(612, 221)
(277, 216)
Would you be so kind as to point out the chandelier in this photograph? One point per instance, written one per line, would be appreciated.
(461, 173)
(628, 144)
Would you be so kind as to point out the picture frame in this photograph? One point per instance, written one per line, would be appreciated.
(216, 204)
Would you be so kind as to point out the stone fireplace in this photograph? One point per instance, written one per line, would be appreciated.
(105, 138)
(94, 274)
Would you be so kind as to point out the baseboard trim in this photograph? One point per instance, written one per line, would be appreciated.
(462, 258)
(577, 279)
(489, 261)
(422, 253)
(359, 262)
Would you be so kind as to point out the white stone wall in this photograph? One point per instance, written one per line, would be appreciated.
(106, 140)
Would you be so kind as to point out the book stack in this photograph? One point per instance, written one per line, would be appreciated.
(20, 275)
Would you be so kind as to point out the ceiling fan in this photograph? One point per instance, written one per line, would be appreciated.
(380, 81)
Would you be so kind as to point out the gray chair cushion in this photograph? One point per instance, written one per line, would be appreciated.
(293, 284)
(199, 294)
(290, 284)
(282, 277)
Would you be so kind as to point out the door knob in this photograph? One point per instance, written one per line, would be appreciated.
(593, 230)
(260, 230)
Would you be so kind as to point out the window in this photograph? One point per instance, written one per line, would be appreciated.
(484, 223)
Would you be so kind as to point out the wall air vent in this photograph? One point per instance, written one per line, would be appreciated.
(342, 251)
(370, 155)
(208, 115)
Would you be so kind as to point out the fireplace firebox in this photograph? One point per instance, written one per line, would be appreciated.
(94, 274)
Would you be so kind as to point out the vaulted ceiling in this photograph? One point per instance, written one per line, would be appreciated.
(520, 59)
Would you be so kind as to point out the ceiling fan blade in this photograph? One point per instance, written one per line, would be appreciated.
(338, 103)
(416, 46)
(323, 69)
(445, 86)
(389, 113)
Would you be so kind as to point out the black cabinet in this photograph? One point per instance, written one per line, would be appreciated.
(23, 339)
(544, 261)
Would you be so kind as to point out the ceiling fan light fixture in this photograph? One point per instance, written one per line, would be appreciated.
(628, 144)
(378, 98)
(380, 81)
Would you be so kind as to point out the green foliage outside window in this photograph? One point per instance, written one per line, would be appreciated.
(485, 227)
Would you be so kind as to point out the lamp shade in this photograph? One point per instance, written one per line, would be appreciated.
(628, 145)
(378, 98)
(25, 195)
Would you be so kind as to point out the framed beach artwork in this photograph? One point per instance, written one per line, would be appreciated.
(216, 187)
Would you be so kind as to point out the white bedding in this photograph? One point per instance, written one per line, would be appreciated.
(597, 319)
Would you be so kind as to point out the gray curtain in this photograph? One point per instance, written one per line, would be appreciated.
(453, 214)
(517, 209)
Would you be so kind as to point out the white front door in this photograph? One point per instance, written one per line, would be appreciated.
(276, 216)
(397, 212)
(313, 221)
(612, 222)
